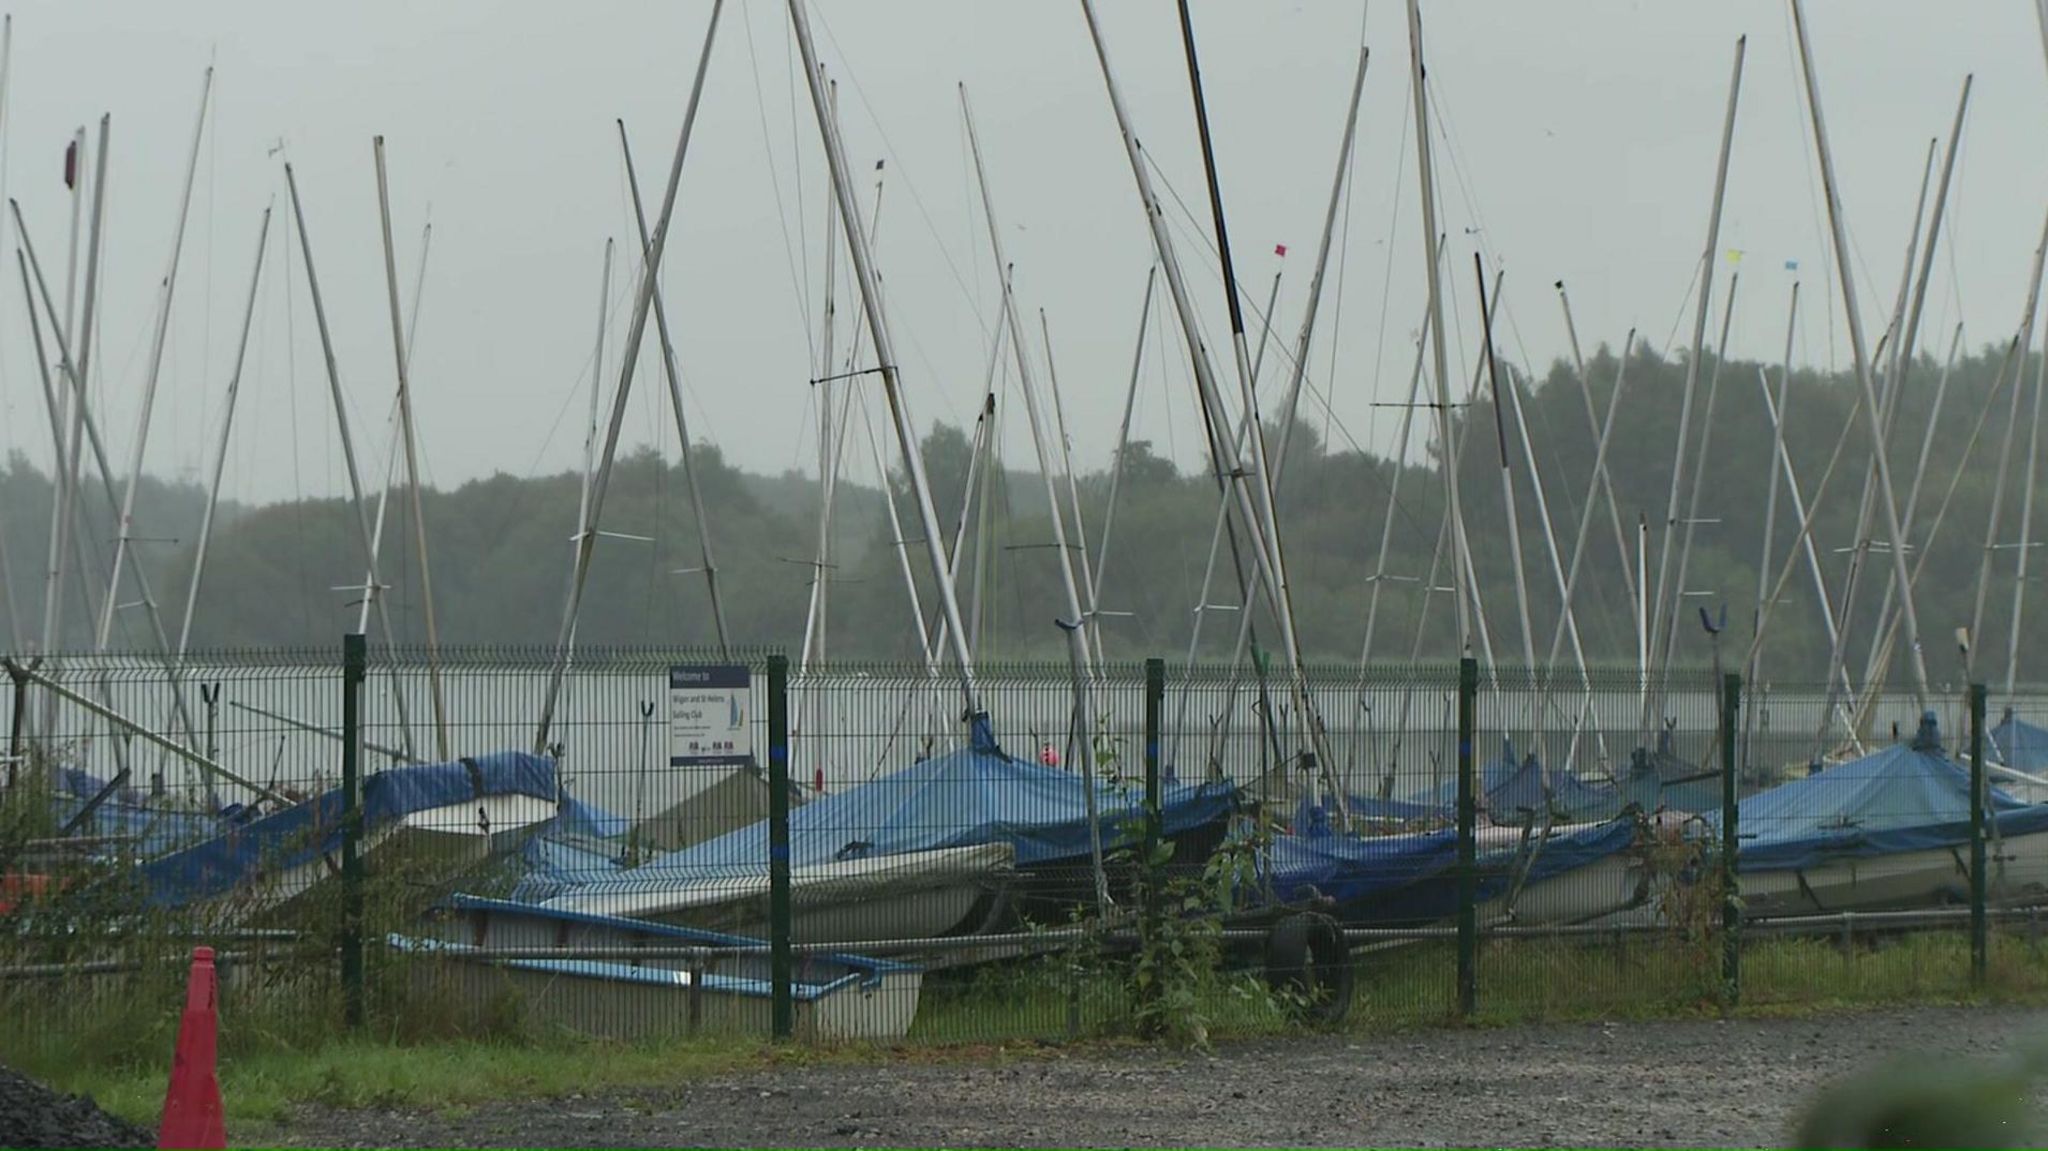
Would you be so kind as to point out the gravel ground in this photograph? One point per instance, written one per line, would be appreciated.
(1676, 1083)
(32, 1115)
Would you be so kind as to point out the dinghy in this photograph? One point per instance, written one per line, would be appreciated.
(435, 818)
(1890, 830)
(954, 844)
(726, 991)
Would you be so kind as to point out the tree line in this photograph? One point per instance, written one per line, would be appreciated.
(500, 546)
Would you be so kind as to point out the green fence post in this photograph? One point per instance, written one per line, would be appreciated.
(782, 1008)
(15, 747)
(1731, 897)
(1155, 707)
(1468, 820)
(1979, 937)
(355, 660)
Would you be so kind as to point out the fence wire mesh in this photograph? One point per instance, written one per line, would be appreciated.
(525, 848)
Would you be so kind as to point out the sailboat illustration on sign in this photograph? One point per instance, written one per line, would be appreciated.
(737, 714)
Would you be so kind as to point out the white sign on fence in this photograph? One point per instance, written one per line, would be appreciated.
(707, 715)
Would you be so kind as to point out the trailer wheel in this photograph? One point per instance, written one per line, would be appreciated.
(1308, 958)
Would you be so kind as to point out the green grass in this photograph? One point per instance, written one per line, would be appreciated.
(1527, 980)
(284, 1047)
(453, 1074)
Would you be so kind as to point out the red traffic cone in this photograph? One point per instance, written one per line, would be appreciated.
(192, 1108)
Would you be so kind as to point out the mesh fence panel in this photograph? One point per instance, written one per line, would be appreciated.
(952, 874)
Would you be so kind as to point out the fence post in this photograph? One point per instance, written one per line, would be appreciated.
(1979, 878)
(1468, 820)
(1731, 897)
(1155, 706)
(354, 670)
(782, 1005)
(18, 725)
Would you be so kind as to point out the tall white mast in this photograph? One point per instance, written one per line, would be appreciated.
(1763, 564)
(1903, 360)
(675, 395)
(79, 371)
(2019, 575)
(1059, 423)
(1605, 482)
(2024, 341)
(1426, 172)
(885, 353)
(1699, 477)
(1123, 436)
(1871, 411)
(1665, 597)
(220, 455)
(1222, 449)
(1889, 392)
(408, 434)
(126, 524)
(650, 271)
(373, 586)
(1507, 474)
(583, 525)
(1069, 585)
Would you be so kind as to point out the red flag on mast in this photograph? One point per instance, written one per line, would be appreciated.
(1280, 250)
(71, 164)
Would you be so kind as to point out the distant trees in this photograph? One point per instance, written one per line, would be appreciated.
(501, 544)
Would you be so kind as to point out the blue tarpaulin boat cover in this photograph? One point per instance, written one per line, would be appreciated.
(1660, 780)
(1908, 797)
(1412, 876)
(1507, 788)
(306, 831)
(1571, 799)
(2019, 745)
(966, 798)
(126, 818)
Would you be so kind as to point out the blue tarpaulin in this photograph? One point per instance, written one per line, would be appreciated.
(1571, 799)
(303, 832)
(966, 798)
(2019, 745)
(1413, 878)
(1660, 780)
(1908, 797)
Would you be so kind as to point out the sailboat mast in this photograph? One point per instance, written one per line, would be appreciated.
(1666, 597)
(675, 396)
(1507, 474)
(1264, 521)
(1123, 436)
(2019, 576)
(1059, 423)
(1871, 411)
(2024, 341)
(650, 271)
(125, 526)
(1426, 172)
(815, 615)
(220, 455)
(1763, 565)
(408, 435)
(1699, 477)
(583, 524)
(1602, 480)
(885, 353)
(1069, 586)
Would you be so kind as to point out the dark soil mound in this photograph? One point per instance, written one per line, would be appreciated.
(32, 1115)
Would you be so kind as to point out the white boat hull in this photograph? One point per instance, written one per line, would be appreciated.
(917, 895)
(437, 841)
(1905, 880)
(835, 997)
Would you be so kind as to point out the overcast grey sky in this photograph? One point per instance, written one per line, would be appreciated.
(1580, 146)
